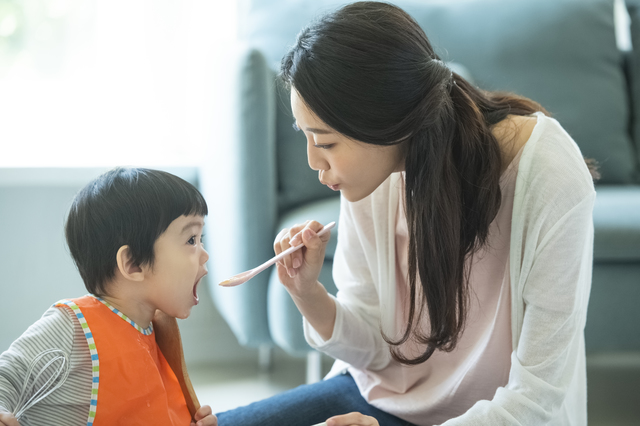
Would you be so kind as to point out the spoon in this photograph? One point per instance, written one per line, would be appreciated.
(247, 275)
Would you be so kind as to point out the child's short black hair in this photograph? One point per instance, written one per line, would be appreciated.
(125, 206)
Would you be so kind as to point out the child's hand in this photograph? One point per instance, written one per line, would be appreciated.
(352, 419)
(204, 417)
(7, 419)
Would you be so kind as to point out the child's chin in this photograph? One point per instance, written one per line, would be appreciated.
(184, 314)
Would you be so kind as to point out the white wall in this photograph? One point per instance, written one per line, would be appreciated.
(36, 269)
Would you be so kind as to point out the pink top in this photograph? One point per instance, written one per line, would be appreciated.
(449, 383)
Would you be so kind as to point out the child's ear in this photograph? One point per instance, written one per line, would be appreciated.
(127, 267)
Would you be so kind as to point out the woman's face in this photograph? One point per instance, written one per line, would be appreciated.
(352, 167)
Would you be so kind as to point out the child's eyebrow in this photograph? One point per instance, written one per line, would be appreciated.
(191, 225)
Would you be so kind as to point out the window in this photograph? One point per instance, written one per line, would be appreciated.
(101, 83)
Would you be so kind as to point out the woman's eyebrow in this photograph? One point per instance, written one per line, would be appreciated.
(318, 131)
(312, 129)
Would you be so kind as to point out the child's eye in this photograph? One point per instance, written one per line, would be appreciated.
(192, 241)
(295, 127)
(202, 239)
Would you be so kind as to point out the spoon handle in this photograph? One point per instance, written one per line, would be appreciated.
(290, 250)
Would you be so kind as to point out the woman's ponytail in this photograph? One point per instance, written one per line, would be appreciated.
(448, 211)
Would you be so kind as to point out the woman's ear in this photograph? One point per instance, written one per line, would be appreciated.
(127, 267)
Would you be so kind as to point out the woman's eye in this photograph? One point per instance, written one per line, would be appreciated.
(325, 146)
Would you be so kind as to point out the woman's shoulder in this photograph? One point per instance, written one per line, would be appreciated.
(552, 173)
(552, 158)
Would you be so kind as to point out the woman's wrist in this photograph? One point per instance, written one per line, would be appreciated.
(318, 308)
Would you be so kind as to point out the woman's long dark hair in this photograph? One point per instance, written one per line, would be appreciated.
(369, 72)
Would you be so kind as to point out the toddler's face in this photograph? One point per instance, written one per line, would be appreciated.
(179, 266)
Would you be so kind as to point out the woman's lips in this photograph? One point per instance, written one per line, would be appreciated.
(333, 187)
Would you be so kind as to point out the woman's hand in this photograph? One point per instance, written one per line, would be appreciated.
(352, 419)
(299, 271)
(205, 417)
(7, 419)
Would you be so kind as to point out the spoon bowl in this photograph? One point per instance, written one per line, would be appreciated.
(243, 277)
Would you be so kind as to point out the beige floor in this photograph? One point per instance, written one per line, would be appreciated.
(224, 387)
(614, 385)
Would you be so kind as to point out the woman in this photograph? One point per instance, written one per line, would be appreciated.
(465, 239)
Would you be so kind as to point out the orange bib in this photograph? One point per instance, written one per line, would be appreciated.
(132, 382)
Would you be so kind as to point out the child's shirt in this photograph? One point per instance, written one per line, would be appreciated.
(69, 405)
(117, 371)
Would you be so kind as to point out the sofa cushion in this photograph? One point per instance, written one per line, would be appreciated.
(561, 53)
(616, 219)
(613, 315)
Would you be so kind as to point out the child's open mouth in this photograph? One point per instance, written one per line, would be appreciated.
(195, 292)
(196, 299)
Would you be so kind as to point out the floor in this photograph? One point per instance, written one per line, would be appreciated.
(235, 385)
(614, 385)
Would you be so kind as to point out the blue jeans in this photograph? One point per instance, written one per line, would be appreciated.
(308, 405)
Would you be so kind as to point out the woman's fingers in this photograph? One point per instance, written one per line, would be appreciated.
(352, 419)
(302, 267)
(287, 238)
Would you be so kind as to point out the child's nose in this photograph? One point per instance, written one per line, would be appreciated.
(204, 257)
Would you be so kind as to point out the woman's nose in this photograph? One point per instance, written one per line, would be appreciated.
(315, 158)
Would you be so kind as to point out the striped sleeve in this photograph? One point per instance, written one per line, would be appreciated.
(69, 405)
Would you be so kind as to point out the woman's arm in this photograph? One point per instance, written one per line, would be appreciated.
(300, 271)
(355, 337)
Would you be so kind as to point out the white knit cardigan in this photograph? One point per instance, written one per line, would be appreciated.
(550, 265)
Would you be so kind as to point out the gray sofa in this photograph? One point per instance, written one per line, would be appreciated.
(561, 53)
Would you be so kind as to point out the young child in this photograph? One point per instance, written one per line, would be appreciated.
(136, 238)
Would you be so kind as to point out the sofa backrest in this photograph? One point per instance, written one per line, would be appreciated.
(561, 53)
(633, 69)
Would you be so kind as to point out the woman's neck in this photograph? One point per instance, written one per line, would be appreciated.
(512, 134)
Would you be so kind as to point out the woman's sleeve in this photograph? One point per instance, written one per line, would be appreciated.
(550, 351)
(356, 337)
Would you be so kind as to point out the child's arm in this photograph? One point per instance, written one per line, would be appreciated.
(69, 404)
(7, 419)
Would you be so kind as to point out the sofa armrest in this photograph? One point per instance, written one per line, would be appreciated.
(239, 184)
